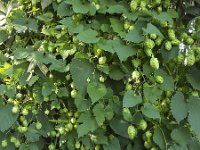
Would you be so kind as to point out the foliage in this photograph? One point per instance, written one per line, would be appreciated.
(100, 74)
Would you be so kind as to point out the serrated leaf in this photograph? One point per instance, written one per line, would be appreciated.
(119, 127)
(46, 89)
(178, 107)
(151, 29)
(164, 16)
(88, 36)
(134, 36)
(112, 145)
(32, 134)
(3, 36)
(180, 135)
(64, 9)
(159, 138)
(33, 80)
(169, 55)
(82, 104)
(45, 3)
(193, 117)
(151, 93)
(58, 65)
(21, 53)
(106, 45)
(99, 113)
(115, 73)
(117, 26)
(88, 124)
(7, 117)
(168, 83)
(150, 111)
(193, 77)
(123, 51)
(129, 100)
(116, 9)
(79, 7)
(63, 92)
(80, 70)
(96, 91)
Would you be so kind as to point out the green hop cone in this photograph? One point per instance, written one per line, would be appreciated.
(135, 75)
(168, 45)
(143, 125)
(127, 114)
(148, 52)
(159, 79)
(149, 44)
(189, 40)
(191, 59)
(154, 63)
(171, 34)
(180, 58)
(136, 62)
(133, 5)
(132, 132)
(159, 41)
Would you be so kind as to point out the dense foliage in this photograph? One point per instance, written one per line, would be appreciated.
(100, 74)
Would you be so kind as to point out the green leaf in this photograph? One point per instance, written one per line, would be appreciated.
(129, 100)
(117, 9)
(116, 73)
(58, 65)
(88, 124)
(172, 13)
(178, 107)
(21, 53)
(88, 36)
(180, 135)
(64, 9)
(96, 91)
(168, 83)
(32, 134)
(33, 80)
(193, 117)
(134, 36)
(7, 117)
(79, 7)
(47, 17)
(151, 29)
(45, 3)
(32, 25)
(119, 127)
(150, 111)
(117, 26)
(123, 51)
(3, 36)
(46, 89)
(106, 45)
(63, 92)
(151, 93)
(159, 138)
(193, 77)
(82, 104)
(112, 145)
(80, 70)
(101, 113)
(169, 55)
(165, 16)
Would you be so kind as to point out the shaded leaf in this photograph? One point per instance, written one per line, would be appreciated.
(150, 111)
(7, 117)
(96, 91)
(129, 100)
(178, 107)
